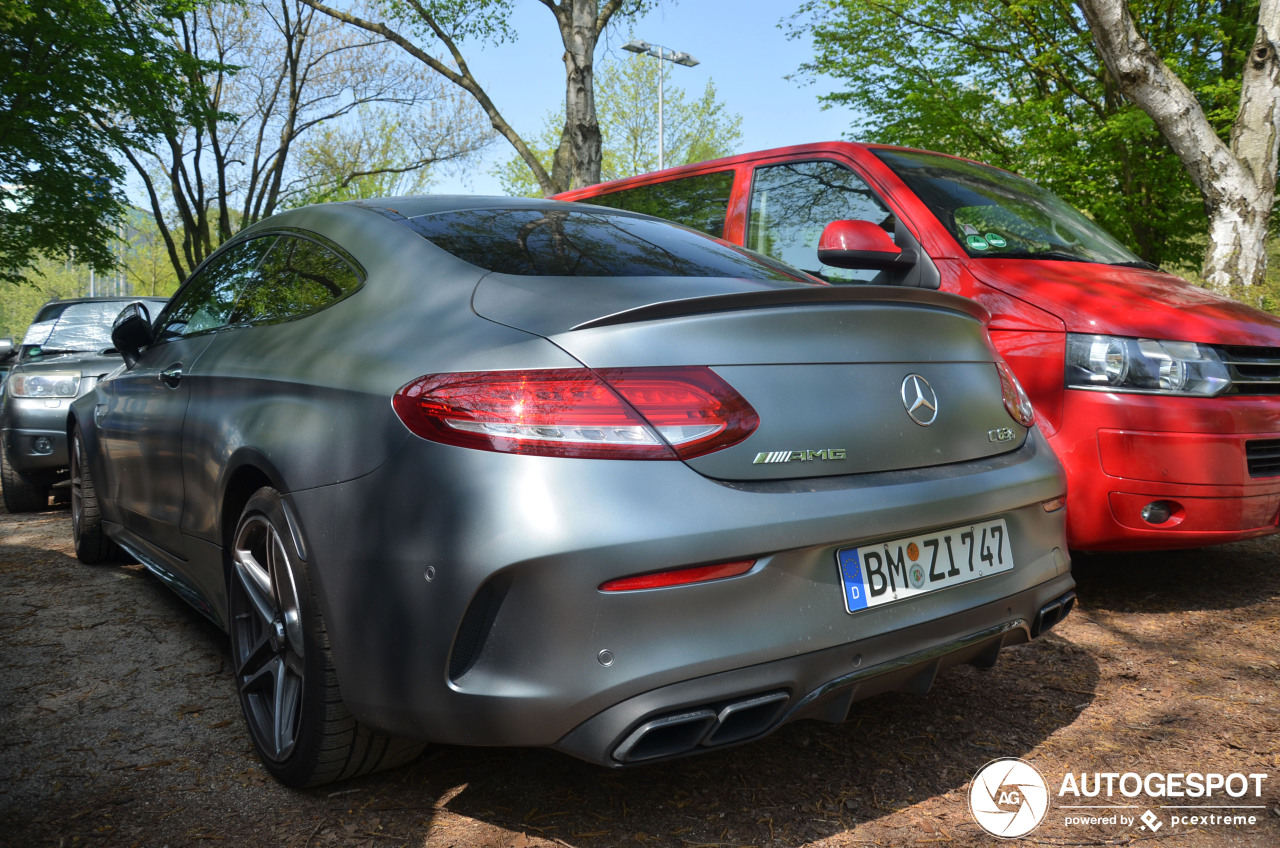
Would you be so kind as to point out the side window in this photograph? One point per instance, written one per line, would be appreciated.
(699, 202)
(206, 301)
(792, 203)
(297, 278)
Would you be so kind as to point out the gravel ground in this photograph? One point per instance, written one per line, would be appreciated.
(119, 727)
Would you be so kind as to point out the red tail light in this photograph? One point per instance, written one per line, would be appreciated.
(624, 413)
(1016, 402)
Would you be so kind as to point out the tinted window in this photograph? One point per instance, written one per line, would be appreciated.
(564, 243)
(205, 302)
(995, 213)
(792, 203)
(699, 202)
(297, 277)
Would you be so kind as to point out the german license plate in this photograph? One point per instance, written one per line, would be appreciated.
(904, 568)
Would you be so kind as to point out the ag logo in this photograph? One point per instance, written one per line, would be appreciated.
(1008, 797)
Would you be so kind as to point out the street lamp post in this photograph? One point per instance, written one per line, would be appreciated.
(663, 54)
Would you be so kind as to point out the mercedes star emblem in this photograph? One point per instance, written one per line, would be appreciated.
(919, 399)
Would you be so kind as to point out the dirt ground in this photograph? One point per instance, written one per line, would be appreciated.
(119, 727)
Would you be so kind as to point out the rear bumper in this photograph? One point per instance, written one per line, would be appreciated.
(467, 610)
(1210, 461)
(746, 704)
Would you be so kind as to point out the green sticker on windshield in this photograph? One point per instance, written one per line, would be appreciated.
(976, 242)
(996, 240)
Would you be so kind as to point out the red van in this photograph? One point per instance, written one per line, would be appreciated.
(1161, 398)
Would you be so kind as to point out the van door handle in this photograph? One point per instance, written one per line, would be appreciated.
(172, 376)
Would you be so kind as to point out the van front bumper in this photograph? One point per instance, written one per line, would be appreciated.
(1148, 472)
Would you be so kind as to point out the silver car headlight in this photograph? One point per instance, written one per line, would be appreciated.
(48, 384)
(1144, 366)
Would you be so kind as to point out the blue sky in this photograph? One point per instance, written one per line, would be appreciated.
(738, 43)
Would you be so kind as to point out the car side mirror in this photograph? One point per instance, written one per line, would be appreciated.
(131, 332)
(6, 347)
(861, 244)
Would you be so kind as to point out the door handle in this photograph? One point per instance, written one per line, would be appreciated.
(172, 376)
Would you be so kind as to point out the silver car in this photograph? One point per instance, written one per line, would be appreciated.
(517, 472)
(66, 348)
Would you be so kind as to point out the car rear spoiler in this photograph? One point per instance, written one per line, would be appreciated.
(772, 298)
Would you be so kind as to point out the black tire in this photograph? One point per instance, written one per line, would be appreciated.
(283, 666)
(91, 542)
(20, 494)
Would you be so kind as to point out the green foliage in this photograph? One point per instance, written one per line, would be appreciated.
(78, 78)
(379, 152)
(1018, 84)
(484, 20)
(627, 108)
(48, 278)
(142, 268)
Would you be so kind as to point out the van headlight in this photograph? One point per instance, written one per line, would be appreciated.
(1144, 366)
(48, 384)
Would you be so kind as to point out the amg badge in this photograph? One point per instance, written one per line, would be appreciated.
(800, 455)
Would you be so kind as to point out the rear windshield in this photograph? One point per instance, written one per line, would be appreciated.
(564, 243)
(996, 213)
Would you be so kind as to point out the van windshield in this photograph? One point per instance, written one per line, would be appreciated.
(995, 213)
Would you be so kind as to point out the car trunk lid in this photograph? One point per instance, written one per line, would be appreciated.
(844, 380)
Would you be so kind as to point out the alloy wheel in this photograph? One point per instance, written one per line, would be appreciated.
(267, 636)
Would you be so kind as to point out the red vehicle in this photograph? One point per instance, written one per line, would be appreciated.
(1161, 398)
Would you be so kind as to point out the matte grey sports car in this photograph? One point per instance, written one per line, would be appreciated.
(514, 472)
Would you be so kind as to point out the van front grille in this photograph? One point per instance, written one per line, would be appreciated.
(1254, 370)
(1263, 457)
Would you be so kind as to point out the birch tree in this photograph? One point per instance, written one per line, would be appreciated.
(1236, 177)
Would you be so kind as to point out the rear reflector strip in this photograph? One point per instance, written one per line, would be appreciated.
(678, 577)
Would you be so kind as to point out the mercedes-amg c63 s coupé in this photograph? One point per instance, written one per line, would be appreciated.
(518, 472)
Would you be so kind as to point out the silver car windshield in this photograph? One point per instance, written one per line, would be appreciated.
(998, 214)
(79, 327)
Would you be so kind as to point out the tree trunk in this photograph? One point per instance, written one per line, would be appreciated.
(1236, 182)
(577, 161)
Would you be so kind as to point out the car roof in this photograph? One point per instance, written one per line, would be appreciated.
(431, 204)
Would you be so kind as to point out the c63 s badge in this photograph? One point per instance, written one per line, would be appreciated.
(800, 455)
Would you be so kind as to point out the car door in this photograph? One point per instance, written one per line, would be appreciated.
(142, 408)
(246, 386)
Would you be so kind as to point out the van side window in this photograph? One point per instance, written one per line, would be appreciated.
(792, 202)
(699, 202)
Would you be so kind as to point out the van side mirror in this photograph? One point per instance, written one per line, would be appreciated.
(861, 244)
(132, 332)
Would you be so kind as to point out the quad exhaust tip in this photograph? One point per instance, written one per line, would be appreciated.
(706, 727)
(716, 725)
(1052, 613)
